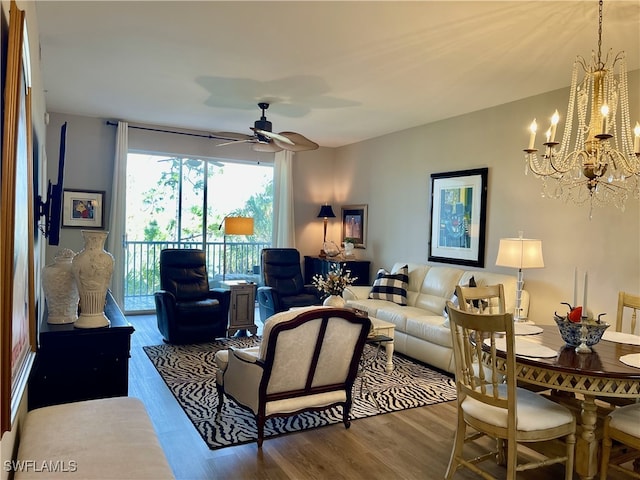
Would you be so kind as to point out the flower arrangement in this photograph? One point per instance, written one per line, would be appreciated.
(335, 281)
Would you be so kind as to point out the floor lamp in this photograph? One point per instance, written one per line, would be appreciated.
(326, 212)
(234, 226)
(520, 253)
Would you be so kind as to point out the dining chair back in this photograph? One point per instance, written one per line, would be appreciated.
(627, 302)
(489, 401)
(481, 299)
(623, 426)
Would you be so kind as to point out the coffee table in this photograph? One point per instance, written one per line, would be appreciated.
(380, 327)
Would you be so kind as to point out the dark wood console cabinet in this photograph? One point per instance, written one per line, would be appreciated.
(320, 266)
(74, 364)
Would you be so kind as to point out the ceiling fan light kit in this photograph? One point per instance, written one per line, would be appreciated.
(264, 140)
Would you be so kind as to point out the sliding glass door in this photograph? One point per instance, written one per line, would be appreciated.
(179, 202)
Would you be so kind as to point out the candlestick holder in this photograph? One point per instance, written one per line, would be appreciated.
(583, 347)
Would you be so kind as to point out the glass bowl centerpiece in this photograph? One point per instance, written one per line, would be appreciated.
(571, 328)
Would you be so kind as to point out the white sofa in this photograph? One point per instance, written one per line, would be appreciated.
(421, 330)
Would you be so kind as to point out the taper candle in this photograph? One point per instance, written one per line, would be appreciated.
(532, 138)
(604, 110)
(554, 123)
(575, 288)
(584, 300)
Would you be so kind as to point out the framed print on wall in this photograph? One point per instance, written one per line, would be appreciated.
(354, 224)
(458, 217)
(82, 208)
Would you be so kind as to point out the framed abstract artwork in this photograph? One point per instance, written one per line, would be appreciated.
(82, 208)
(458, 217)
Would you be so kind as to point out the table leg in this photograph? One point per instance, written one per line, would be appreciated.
(586, 465)
(388, 348)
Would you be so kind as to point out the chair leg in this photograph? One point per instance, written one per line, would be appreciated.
(571, 448)
(220, 391)
(458, 445)
(606, 451)
(501, 445)
(346, 410)
(512, 459)
(260, 420)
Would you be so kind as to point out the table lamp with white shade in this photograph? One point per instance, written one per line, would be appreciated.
(520, 253)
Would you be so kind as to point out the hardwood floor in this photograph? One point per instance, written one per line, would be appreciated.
(411, 444)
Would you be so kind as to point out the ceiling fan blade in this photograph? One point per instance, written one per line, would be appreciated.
(247, 140)
(231, 136)
(297, 142)
(273, 136)
(270, 147)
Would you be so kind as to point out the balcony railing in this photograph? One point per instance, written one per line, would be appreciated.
(142, 267)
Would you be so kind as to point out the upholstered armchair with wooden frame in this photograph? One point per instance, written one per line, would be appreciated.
(307, 360)
(187, 310)
(491, 404)
(283, 286)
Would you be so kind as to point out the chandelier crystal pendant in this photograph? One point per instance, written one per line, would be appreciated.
(598, 161)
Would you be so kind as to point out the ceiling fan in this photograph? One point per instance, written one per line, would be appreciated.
(264, 140)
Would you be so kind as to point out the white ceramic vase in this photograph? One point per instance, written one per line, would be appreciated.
(60, 289)
(334, 301)
(348, 249)
(92, 269)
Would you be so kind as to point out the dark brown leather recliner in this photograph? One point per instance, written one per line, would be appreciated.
(188, 311)
(283, 285)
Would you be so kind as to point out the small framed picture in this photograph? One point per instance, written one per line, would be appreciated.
(82, 209)
(354, 224)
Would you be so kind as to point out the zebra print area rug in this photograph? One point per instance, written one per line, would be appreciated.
(189, 372)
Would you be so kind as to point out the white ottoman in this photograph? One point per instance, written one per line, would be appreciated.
(111, 438)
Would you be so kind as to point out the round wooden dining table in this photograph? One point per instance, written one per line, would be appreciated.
(599, 374)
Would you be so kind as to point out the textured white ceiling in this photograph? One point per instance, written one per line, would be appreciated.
(338, 72)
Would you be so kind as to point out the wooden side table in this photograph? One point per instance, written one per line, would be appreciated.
(242, 306)
(321, 265)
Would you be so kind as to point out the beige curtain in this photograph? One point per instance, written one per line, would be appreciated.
(283, 234)
(115, 240)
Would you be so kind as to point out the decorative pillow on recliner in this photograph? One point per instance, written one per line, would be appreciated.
(391, 286)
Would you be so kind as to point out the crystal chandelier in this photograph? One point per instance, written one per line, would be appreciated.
(598, 161)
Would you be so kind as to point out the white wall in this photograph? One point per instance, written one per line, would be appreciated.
(392, 175)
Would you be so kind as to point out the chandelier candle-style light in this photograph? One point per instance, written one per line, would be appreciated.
(598, 161)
